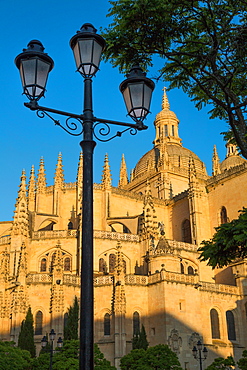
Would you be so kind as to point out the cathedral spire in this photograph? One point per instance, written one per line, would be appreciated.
(41, 179)
(106, 176)
(20, 223)
(216, 162)
(123, 177)
(31, 190)
(59, 175)
(165, 101)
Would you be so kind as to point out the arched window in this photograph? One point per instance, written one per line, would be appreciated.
(70, 225)
(215, 324)
(223, 215)
(186, 231)
(166, 130)
(107, 324)
(65, 320)
(43, 265)
(230, 325)
(190, 270)
(38, 323)
(102, 265)
(112, 262)
(67, 266)
(136, 323)
(181, 268)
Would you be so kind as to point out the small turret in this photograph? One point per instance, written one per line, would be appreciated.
(123, 177)
(31, 191)
(166, 124)
(106, 176)
(41, 179)
(59, 174)
(216, 163)
(20, 223)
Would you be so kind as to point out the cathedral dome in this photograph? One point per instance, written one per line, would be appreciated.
(177, 157)
(231, 161)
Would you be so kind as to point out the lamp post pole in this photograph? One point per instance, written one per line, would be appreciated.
(34, 66)
(86, 309)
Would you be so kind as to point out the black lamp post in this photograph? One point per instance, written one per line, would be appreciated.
(199, 353)
(34, 66)
(44, 343)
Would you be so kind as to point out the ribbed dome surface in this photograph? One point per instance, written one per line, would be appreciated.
(178, 156)
(231, 161)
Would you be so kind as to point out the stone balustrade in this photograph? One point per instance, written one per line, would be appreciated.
(5, 239)
(39, 278)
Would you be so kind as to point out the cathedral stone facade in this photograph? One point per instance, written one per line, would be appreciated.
(146, 268)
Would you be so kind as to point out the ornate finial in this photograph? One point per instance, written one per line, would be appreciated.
(165, 102)
(59, 175)
(106, 176)
(123, 177)
(41, 179)
(31, 190)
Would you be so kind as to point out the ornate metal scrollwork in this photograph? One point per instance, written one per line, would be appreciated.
(73, 127)
(103, 129)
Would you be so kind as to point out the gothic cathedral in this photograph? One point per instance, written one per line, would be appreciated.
(146, 268)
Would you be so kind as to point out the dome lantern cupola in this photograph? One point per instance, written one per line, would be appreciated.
(166, 124)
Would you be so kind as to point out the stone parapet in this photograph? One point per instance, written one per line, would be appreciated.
(39, 278)
(5, 240)
(103, 280)
(54, 234)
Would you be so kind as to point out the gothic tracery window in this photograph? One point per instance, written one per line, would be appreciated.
(136, 323)
(230, 325)
(112, 262)
(67, 266)
(223, 215)
(107, 324)
(186, 231)
(43, 265)
(102, 265)
(38, 323)
(190, 270)
(215, 324)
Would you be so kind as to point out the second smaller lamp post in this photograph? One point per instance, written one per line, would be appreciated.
(44, 343)
(199, 353)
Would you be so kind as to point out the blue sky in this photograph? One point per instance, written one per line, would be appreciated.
(24, 137)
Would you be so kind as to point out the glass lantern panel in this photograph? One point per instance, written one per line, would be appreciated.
(97, 50)
(42, 72)
(136, 93)
(77, 55)
(126, 95)
(86, 50)
(147, 97)
(29, 71)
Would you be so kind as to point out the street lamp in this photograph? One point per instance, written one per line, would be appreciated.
(34, 66)
(44, 343)
(199, 353)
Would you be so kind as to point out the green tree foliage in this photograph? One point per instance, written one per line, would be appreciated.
(203, 46)
(160, 357)
(71, 327)
(140, 340)
(14, 358)
(242, 363)
(222, 364)
(68, 358)
(26, 336)
(228, 243)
